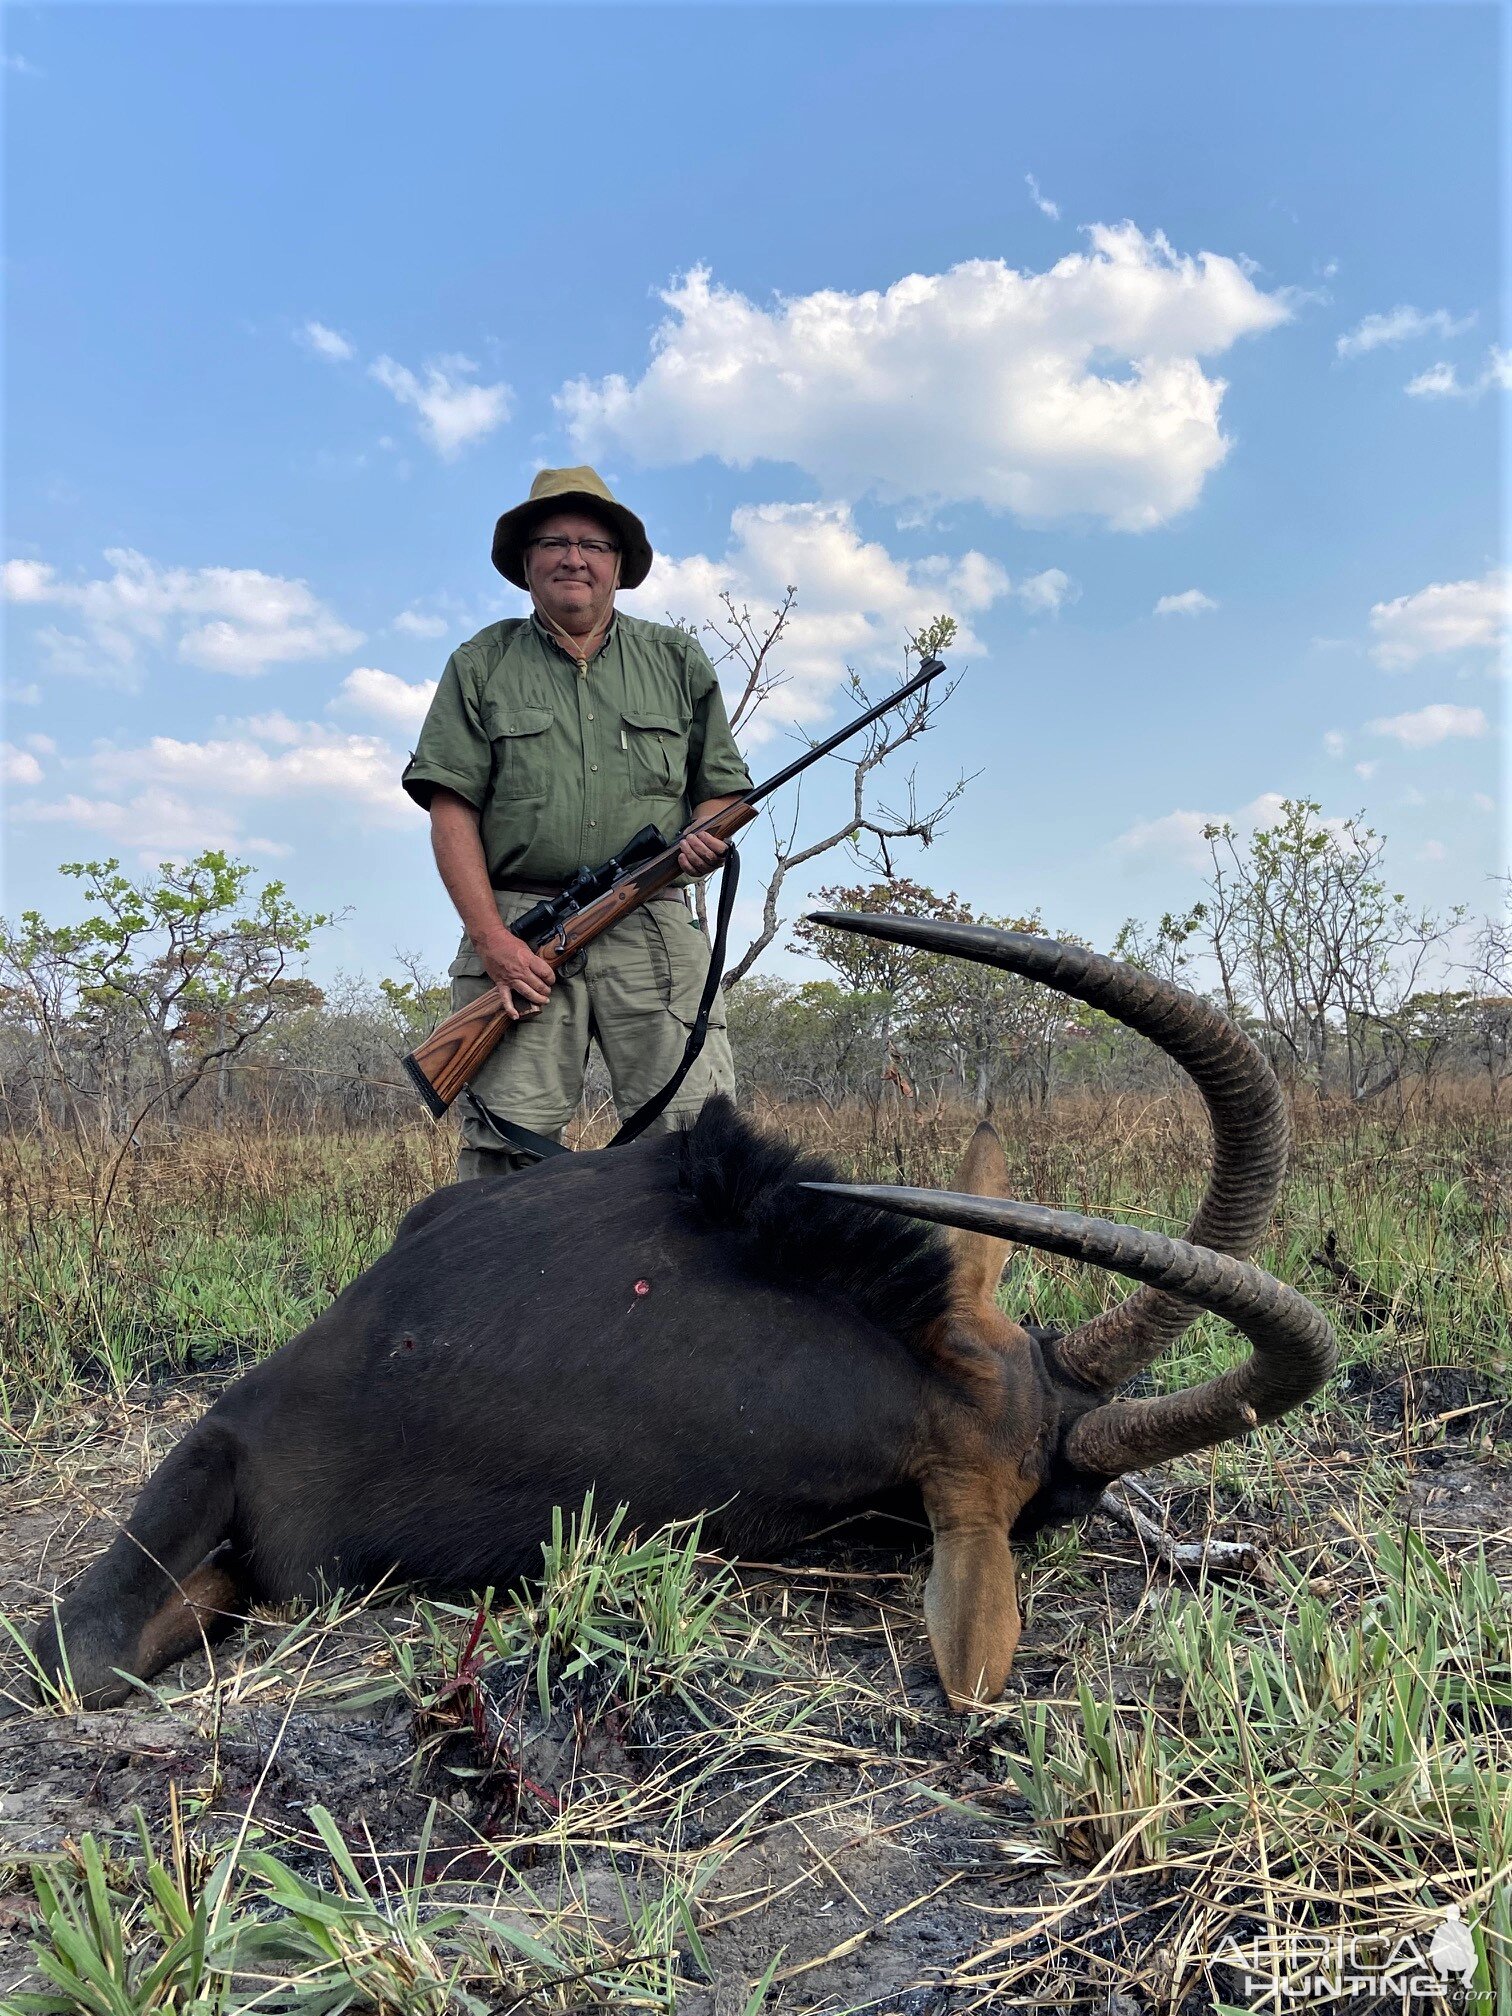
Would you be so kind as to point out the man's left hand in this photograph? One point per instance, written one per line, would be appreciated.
(700, 853)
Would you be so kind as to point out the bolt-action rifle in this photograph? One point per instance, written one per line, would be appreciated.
(560, 926)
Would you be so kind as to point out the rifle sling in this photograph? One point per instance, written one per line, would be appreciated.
(516, 1139)
(657, 1104)
(522, 1141)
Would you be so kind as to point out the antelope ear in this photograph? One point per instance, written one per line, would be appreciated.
(971, 1608)
(979, 1258)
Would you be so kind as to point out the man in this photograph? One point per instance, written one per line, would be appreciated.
(551, 740)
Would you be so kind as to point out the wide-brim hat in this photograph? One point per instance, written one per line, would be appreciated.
(566, 490)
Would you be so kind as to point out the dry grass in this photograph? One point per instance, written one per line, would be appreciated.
(661, 1782)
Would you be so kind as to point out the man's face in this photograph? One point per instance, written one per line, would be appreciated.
(572, 584)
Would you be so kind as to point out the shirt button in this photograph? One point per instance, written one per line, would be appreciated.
(593, 822)
(593, 766)
(590, 717)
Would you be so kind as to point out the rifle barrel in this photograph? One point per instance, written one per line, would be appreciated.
(930, 669)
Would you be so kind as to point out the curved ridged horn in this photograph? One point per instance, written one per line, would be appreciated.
(1238, 1087)
(1294, 1349)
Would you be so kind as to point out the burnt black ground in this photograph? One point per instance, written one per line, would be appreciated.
(887, 1839)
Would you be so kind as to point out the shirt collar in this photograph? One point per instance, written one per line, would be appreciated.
(556, 642)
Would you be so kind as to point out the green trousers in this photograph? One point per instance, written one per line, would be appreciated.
(636, 990)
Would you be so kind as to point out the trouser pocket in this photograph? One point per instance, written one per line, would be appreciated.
(679, 955)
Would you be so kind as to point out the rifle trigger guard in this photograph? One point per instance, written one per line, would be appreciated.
(570, 967)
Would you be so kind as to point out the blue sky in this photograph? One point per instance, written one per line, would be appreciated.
(299, 297)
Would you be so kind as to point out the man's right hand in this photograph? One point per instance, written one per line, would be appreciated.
(523, 978)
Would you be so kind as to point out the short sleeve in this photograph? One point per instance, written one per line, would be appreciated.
(454, 749)
(716, 768)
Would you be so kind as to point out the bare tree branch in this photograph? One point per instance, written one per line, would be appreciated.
(871, 831)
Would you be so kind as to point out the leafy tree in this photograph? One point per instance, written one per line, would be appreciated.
(893, 976)
(166, 977)
(415, 1004)
(980, 1026)
(1170, 950)
(1488, 1019)
(1004, 1032)
(1491, 959)
(1490, 1011)
(818, 1039)
(1308, 936)
(872, 965)
(1431, 1025)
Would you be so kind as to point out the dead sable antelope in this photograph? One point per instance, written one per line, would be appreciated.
(708, 1319)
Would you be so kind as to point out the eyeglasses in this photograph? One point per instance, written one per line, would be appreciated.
(558, 549)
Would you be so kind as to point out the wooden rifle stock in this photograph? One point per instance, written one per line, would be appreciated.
(451, 1054)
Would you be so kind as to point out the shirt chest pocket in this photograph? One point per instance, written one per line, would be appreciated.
(658, 749)
(521, 749)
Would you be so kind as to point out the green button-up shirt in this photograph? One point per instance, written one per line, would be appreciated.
(566, 764)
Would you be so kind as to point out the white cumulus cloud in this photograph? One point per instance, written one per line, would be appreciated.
(1399, 325)
(856, 606)
(327, 342)
(18, 766)
(415, 623)
(226, 619)
(1078, 390)
(1443, 617)
(1431, 725)
(1190, 602)
(454, 410)
(1176, 838)
(1049, 591)
(1442, 381)
(28, 581)
(155, 824)
(173, 795)
(311, 762)
(1439, 381)
(385, 696)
